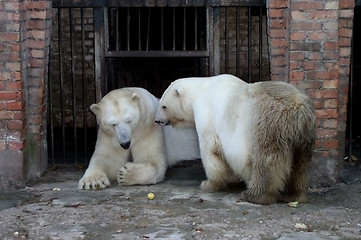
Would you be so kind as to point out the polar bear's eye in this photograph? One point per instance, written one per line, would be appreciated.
(164, 107)
(113, 124)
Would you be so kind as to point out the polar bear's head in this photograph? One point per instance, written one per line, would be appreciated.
(175, 106)
(118, 115)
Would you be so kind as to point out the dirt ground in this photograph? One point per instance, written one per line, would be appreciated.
(54, 208)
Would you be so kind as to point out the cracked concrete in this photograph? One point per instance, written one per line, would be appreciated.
(53, 208)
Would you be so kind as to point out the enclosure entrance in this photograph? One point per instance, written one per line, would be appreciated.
(353, 132)
(96, 48)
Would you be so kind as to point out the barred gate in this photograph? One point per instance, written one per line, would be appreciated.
(97, 46)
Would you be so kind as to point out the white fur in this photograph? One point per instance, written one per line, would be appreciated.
(233, 119)
(127, 115)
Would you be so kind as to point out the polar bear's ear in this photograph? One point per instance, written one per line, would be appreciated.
(135, 96)
(94, 108)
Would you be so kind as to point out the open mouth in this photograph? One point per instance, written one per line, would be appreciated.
(162, 123)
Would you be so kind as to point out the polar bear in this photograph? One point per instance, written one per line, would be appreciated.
(262, 133)
(130, 147)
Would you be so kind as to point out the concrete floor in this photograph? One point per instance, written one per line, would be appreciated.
(54, 208)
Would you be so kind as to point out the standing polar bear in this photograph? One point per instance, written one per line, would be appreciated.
(130, 147)
(261, 133)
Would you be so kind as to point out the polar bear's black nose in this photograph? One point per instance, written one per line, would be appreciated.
(125, 145)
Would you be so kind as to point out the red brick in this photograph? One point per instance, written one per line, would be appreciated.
(278, 51)
(279, 23)
(295, 66)
(279, 61)
(279, 43)
(298, 36)
(6, 115)
(278, 4)
(299, 15)
(15, 105)
(9, 37)
(344, 42)
(330, 123)
(345, 23)
(13, 66)
(318, 144)
(13, 86)
(330, 83)
(324, 15)
(318, 104)
(306, 5)
(16, 124)
(348, 13)
(297, 76)
(346, 4)
(321, 75)
(277, 33)
(330, 144)
(345, 51)
(326, 133)
(307, 26)
(326, 113)
(14, 145)
(37, 44)
(297, 56)
(311, 65)
(13, 95)
(345, 32)
(9, 16)
(36, 5)
(276, 13)
(316, 36)
(322, 93)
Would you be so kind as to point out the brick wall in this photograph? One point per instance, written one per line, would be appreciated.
(310, 46)
(24, 33)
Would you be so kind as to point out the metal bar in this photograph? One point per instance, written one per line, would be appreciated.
(61, 78)
(99, 58)
(148, 30)
(161, 29)
(72, 62)
(260, 42)
(226, 46)
(139, 31)
(184, 28)
(214, 41)
(173, 29)
(117, 30)
(128, 29)
(50, 109)
(249, 45)
(195, 28)
(178, 53)
(84, 85)
(238, 47)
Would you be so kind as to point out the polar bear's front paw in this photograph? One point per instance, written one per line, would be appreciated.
(94, 181)
(209, 185)
(127, 174)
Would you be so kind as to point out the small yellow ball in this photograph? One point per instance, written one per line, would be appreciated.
(150, 196)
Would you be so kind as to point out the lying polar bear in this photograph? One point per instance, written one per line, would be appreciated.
(130, 147)
(261, 133)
